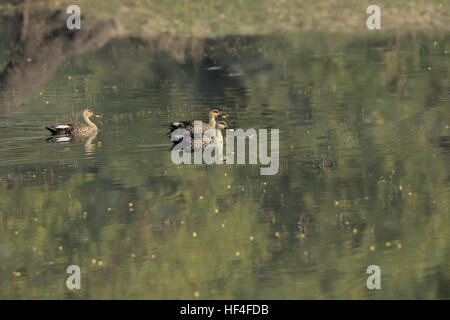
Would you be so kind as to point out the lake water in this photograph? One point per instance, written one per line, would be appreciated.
(363, 179)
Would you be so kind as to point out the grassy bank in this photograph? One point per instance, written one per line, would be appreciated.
(217, 18)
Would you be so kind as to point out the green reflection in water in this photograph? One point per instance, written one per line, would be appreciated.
(364, 174)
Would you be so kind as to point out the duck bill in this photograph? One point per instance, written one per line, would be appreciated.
(98, 115)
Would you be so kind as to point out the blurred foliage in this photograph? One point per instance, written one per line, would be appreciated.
(147, 18)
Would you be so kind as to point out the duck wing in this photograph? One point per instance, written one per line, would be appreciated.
(63, 129)
(188, 125)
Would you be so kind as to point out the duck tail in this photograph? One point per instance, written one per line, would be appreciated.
(174, 126)
(52, 130)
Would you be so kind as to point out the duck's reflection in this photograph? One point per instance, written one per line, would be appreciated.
(89, 146)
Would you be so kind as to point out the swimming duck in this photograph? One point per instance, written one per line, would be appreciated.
(76, 129)
(189, 125)
(209, 137)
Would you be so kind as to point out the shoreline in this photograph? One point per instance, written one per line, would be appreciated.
(148, 19)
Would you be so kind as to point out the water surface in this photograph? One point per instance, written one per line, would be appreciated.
(363, 179)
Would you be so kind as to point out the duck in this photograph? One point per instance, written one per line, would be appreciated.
(76, 129)
(189, 125)
(210, 137)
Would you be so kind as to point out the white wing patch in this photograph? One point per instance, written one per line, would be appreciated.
(63, 139)
(62, 126)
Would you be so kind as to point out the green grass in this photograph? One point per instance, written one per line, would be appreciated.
(218, 18)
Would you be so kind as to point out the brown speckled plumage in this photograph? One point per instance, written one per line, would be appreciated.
(208, 138)
(76, 129)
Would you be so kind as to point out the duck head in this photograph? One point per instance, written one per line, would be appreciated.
(222, 125)
(214, 113)
(89, 113)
